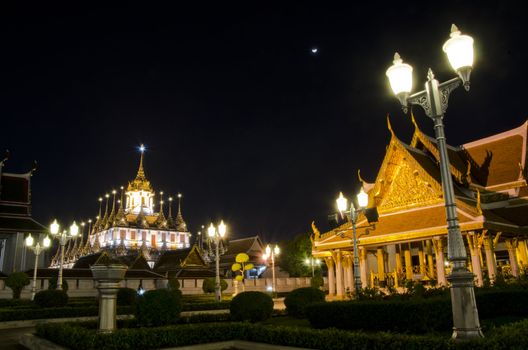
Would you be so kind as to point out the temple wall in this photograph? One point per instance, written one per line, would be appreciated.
(78, 287)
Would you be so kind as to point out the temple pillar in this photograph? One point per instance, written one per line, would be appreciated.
(489, 249)
(421, 257)
(363, 265)
(511, 245)
(408, 263)
(399, 268)
(522, 254)
(474, 249)
(381, 267)
(430, 264)
(340, 290)
(391, 257)
(440, 267)
(331, 275)
(350, 273)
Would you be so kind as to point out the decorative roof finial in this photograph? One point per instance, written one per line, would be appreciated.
(181, 226)
(141, 173)
(389, 126)
(479, 207)
(105, 217)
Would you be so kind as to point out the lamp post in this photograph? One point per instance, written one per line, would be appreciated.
(312, 262)
(434, 100)
(271, 254)
(63, 238)
(217, 233)
(353, 214)
(37, 249)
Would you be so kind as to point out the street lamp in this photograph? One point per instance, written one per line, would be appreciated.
(312, 262)
(353, 214)
(63, 238)
(37, 249)
(434, 100)
(271, 254)
(217, 233)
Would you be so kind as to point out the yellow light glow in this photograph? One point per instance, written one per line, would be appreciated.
(400, 76)
(459, 49)
(222, 228)
(362, 198)
(276, 250)
(29, 241)
(211, 230)
(54, 227)
(268, 250)
(74, 229)
(342, 202)
(47, 242)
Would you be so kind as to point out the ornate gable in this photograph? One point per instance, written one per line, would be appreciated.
(403, 182)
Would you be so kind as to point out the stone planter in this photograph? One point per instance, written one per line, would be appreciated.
(108, 279)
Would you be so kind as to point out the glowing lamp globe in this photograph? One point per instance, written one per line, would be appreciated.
(222, 228)
(342, 202)
(307, 261)
(47, 242)
(268, 250)
(54, 227)
(74, 229)
(29, 241)
(265, 257)
(459, 50)
(276, 250)
(211, 230)
(362, 198)
(400, 76)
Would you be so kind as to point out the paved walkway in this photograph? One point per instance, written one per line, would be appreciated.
(9, 338)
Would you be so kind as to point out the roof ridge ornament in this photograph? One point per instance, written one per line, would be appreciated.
(389, 126)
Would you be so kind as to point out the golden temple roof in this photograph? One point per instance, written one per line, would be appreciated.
(140, 183)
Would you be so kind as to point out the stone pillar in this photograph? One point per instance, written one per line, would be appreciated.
(399, 268)
(474, 249)
(490, 257)
(511, 245)
(363, 265)
(408, 263)
(391, 257)
(381, 267)
(108, 279)
(440, 267)
(340, 290)
(331, 275)
(350, 273)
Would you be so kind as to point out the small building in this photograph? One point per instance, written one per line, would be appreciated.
(16, 222)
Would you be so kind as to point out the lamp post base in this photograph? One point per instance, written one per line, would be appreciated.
(466, 324)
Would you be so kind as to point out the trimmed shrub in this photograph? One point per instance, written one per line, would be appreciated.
(209, 283)
(17, 281)
(51, 298)
(158, 307)
(251, 306)
(56, 312)
(221, 305)
(173, 284)
(420, 315)
(317, 280)
(52, 283)
(126, 296)
(297, 300)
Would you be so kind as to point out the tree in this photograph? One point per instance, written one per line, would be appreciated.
(209, 284)
(17, 281)
(239, 267)
(293, 255)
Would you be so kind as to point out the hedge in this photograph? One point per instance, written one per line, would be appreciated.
(412, 316)
(251, 306)
(73, 335)
(219, 305)
(158, 307)
(298, 299)
(57, 312)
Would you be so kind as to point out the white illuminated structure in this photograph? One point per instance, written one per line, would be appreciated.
(133, 225)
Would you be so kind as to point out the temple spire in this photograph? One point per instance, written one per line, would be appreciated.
(141, 173)
(105, 217)
(181, 226)
(112, 214)
(120, 218)
(161, 222)
(170, 220)
(99, 217)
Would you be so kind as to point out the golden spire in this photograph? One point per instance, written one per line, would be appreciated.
(181, 226)
(105, 217)
(112, 214)
(141, 173)
(99, 217)
(140, 183)
(120, 218)
(141, 220)
(170, 220)
(161, 222)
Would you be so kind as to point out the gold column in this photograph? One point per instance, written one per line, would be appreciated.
(340, 290)
(489, 249)
(350, 273)
(522, 253)
(331, 275)
(430, 263)
(399, 268)
(363, 265)
(421, 256)
(474, 248)
(408, 263)
(440, 267)
(511, 245)
(381, 266)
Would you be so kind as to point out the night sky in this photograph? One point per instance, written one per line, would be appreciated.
(235, 110)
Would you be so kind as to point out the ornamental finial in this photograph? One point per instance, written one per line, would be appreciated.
(430, 74)
(397, 58)
(141, 172)
(454, 30)
(389, 126)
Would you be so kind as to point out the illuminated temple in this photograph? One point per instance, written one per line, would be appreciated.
(409, 239)
(131, 226)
